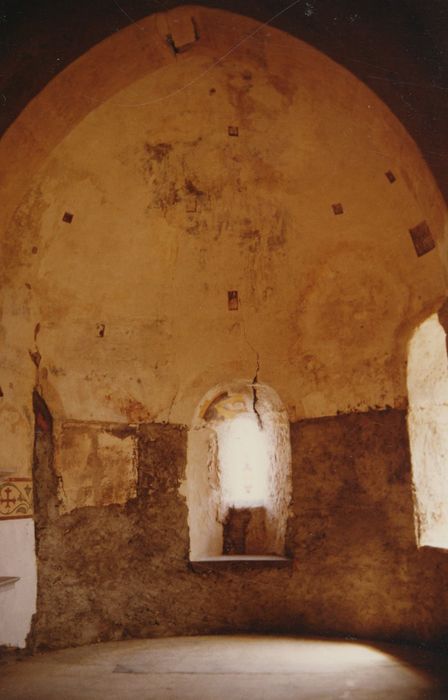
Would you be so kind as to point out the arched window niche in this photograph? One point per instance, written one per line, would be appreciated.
(428, 429)
(238, 479)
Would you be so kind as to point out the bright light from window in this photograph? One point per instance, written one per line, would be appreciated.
(428, 430)
(244, 462)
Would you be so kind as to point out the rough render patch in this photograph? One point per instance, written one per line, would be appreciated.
(161, 459)
(104, 551)
(46, 502)
(96, 466)
(121, 571)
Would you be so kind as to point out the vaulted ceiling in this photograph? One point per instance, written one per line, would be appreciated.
(397, 47)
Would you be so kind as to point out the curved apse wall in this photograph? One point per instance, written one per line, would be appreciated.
(147, 185)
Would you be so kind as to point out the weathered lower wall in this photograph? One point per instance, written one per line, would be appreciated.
(121, 571)
(353, 533)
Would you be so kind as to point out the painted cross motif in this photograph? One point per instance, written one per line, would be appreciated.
(16, 498)
(8, 500)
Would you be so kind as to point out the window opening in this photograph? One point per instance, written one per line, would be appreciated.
(428, 431)
(244, 462)
(238, 484)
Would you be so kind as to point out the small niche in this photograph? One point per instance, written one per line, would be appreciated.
(337, 209)
(232, 300)
(422, 238)
(390, 176)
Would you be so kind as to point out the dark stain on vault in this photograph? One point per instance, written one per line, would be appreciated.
(158, 151)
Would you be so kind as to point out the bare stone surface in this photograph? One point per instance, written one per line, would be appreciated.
(235, 529)
(244, 531)
(121, 571)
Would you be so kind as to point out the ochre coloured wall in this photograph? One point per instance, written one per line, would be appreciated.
(119, 316)
(170, 213)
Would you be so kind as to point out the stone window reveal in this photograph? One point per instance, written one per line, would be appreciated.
(428, 429)
(238, 473)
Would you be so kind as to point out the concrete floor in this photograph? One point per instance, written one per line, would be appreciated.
(236, 667)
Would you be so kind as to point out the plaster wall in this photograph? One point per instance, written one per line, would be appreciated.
(95, 465)
(170, 212)
(17, 600)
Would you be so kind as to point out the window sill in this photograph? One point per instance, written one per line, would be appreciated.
(240, 562)
(438, 547)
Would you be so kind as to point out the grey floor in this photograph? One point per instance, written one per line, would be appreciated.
(229, 667)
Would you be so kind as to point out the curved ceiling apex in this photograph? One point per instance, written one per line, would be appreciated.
(397, 49)
(110, 66)
(301, 225)
(158, 41)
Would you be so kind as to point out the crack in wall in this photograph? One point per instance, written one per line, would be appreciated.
(254, 393)
(254, 381)
(254, 407)
(36, 358)
(172, 404)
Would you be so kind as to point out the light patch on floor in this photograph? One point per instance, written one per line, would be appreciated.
(241, 667)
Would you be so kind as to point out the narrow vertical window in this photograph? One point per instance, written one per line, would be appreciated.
(238, 473)
(428, 431)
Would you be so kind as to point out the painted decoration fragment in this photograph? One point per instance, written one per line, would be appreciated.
(16, 498)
